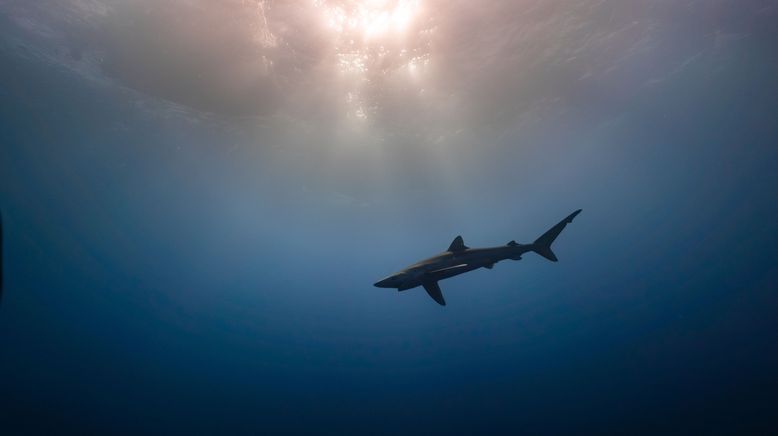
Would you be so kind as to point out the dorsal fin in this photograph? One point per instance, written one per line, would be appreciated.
(458, 244)
(512, 244)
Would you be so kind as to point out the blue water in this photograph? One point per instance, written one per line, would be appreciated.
(167, 275)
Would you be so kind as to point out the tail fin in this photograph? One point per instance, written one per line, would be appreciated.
(542, 245)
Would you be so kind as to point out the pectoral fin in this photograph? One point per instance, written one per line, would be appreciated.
(433, 289)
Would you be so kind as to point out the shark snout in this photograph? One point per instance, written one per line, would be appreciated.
(385, 283)
(389, 282)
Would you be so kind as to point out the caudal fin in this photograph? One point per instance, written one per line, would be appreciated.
(542, 245)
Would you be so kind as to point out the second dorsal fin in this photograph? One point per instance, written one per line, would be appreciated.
(458, 244)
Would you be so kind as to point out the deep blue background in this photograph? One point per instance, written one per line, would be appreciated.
(160, 280)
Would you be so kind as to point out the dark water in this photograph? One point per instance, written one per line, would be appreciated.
(174, 275)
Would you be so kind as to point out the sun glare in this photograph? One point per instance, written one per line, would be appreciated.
(369, 18)
(369, 45)
(371, 40)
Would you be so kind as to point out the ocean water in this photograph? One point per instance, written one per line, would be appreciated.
(179, 260)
